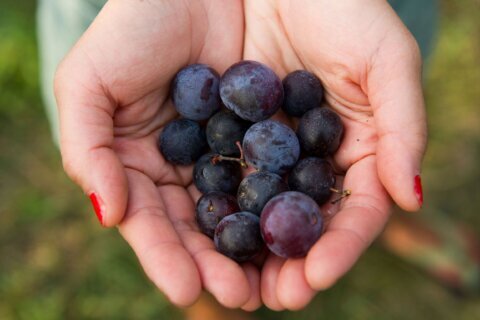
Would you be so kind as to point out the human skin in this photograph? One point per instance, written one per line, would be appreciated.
(112, 92)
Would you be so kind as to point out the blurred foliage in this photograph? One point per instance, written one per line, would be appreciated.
(57, 263)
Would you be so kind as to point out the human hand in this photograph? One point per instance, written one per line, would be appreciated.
(370, 66)
(112, 92)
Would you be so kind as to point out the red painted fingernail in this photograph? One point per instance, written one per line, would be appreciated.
(418, 189)
(97, 206)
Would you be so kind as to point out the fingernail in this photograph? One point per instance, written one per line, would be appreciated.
(418, 189)
(97, 206)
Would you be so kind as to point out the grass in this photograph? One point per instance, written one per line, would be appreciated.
(56, 263)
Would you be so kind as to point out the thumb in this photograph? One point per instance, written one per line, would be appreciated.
(395, 92)
(86, 138)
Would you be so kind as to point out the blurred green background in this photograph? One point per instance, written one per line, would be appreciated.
(57, 263)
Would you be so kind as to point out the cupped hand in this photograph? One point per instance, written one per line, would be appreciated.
(112, 91)
(371, 69)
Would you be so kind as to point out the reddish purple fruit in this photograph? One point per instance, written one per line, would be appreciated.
(251, 90)
(291, 223)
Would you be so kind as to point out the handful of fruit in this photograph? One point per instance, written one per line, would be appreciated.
(278, 204)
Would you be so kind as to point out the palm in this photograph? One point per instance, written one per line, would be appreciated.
(159, 222)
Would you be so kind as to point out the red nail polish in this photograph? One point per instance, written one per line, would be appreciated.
(418, 189)
(97, 206)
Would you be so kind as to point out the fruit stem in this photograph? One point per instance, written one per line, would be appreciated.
(342, 193)
(239, 146)
(240, 160)
(210, 207)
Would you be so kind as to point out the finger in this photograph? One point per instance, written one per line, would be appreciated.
(158, 247)
(220, 275)
(361, 218)
(253, 276)
(293, 290)
(395, 93)
(265, 42)
(86, 136)
(268, 283)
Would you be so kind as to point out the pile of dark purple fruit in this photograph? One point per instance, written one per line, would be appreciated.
(279, 203)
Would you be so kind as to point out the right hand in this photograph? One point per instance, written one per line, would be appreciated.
(112, 92)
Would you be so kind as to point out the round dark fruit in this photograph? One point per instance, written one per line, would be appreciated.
(271, 146)
(291, 223)
(182, 141)
(320, 131)
(210, 175)
(257, 188)
(314, 177)
(252, 90)
(195, 92)
(238, 236)
(213, 207)
(303, 91)
(224, 129)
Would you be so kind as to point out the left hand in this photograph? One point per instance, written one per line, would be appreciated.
(370, 66)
